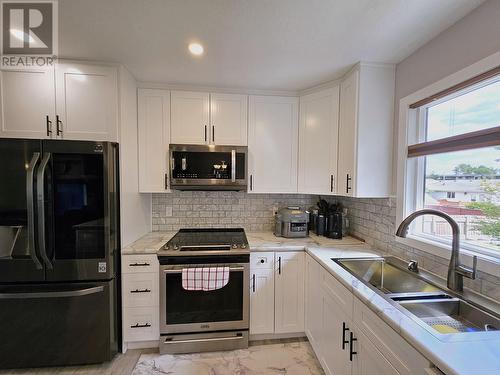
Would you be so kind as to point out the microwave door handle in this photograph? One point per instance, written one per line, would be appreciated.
(41, 209)
(30, 178)
(233, 165)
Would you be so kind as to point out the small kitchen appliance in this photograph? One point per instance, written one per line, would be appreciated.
(291, 222)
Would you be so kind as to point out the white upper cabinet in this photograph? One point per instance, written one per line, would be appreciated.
(318, 141)
(347, 134)
(366, 131)
(72, 101)
(272, 144)
(190, 117)
(154, 138)
(86, 102)
(27, 103)
(228, 119)
(289, 291)
(203, 118)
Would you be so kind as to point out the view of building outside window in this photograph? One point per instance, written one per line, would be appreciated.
(465, 184)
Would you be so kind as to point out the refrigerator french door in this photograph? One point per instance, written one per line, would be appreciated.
(58, 243)
(58, 203)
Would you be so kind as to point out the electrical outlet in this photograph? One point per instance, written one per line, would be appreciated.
(168, 211)
(275, 209)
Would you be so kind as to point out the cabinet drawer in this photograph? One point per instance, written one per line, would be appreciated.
(140, 263)
(261, 260)
(402, 356)
(342, 296)
(141, 324)
(140, 290)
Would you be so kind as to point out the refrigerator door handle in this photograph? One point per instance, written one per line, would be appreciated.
(40, 188)
(30, 177)
(61, 294)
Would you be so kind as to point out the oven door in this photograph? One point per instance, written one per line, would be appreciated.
(203, 311)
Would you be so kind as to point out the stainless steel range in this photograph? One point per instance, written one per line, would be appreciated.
(196, 321)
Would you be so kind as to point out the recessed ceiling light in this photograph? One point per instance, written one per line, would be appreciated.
(196, 49)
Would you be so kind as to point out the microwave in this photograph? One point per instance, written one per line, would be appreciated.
(208, 167)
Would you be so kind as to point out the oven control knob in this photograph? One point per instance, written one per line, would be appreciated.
(166, 247)
(176, 247)
(234, 246)
(243, 246)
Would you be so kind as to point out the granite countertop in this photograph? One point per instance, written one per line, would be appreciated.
(267, 241)
(450, 353)
(473, 355)
(152, 242)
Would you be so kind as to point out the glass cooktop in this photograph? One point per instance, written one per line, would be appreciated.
(206, 239)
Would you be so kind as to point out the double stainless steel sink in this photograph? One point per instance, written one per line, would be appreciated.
(420, 295)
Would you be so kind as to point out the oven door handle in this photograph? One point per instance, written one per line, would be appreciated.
(230, 338)
(231, 269)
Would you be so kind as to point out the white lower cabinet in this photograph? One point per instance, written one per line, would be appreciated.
(289, 292)
(368, 360)
(277, 292)
(350, 339)
(262, 301)
(313, 296)
(140, 298)
(333, 342)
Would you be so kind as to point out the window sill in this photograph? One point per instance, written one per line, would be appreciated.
(485, 263)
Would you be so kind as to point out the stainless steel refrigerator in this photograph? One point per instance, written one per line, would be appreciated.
(59, 247)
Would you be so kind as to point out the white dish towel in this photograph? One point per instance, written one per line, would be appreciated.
(205, 278)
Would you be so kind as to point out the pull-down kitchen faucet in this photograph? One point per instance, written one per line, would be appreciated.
(456, 271)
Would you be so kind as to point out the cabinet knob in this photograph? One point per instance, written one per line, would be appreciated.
(262, 260)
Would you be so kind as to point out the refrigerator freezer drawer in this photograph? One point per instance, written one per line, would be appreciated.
(58, 324)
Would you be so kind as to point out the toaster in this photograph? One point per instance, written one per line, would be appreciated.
(291, 222)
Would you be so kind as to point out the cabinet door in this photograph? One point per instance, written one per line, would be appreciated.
(348, 135)
(189, 117)
(228, 119)
(272, 144)
(87, 101)
(368, 360)
(261, 301)
(313, 303)
(289, 291)
(318, 141)
(154, 138)
(27, 98)
(334, 355)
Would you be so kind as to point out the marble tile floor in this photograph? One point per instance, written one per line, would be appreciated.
(290, 358)
(122, 364)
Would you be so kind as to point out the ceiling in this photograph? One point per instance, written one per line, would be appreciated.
(253, 44)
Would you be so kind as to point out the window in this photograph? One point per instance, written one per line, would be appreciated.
(453, 164)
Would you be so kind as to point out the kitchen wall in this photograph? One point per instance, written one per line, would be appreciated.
(253, 212)
(461, 45)
(374, 220)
